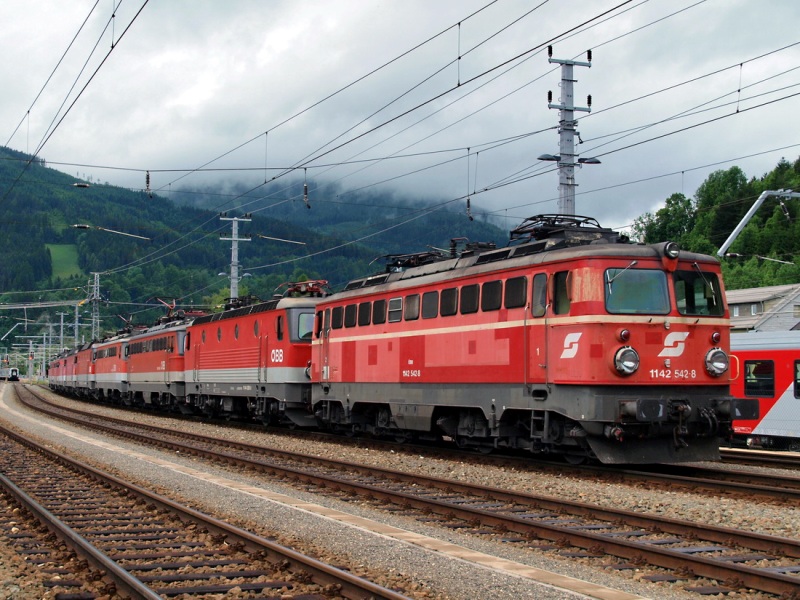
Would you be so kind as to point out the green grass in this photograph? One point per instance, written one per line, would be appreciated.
(65, 260)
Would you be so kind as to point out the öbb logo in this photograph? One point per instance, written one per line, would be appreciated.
(571, 345)
(674, 344)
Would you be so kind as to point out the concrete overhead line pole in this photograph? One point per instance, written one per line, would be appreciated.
(567, 159)
(94, 298)
(234, 239)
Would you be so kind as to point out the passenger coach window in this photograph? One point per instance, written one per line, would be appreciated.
(516, 290)
(539, 296)
(350, 314)
(797, 379)
(430, 305)
(364, 310)
(337, 317)
(759, 378)
(491, 295)
(379, 312)
(395, 310)
(469, 299)
(411, 311)
(449, 302)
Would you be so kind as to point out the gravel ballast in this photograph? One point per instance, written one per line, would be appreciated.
(423, 574)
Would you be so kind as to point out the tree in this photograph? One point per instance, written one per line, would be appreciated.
(671, 223)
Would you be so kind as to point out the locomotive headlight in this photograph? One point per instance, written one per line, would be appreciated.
(717, 362)
(671, 250)
(626, 360)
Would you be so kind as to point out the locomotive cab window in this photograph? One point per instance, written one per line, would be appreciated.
(698, 293)
(636, 291)
(305, 325)
(539, 295)
(561, 296)
(759, 378)
(279, 327)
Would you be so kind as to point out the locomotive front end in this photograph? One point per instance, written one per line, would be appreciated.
(657, 357)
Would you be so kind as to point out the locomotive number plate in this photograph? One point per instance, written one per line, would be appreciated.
(412, 373)
(673, 374)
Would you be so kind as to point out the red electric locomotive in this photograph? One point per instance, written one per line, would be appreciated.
(769, 364)
(252, 361)
(110, 359)
(81, 371)
(155, 364)
(569, 341)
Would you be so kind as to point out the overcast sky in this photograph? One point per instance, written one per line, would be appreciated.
(191, 81)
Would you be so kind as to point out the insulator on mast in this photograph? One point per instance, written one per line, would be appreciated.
(549, 96)
(305, 191)
(785, 211)
(147, 184)
(589, 55)
(550, 51)
(589, 100)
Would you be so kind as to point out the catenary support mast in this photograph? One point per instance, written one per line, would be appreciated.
(567, 128)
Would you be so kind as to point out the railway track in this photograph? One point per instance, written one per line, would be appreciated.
(762, 458)
(732, 559)
(143, 545)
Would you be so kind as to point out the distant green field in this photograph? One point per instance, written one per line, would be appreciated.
(65, 260)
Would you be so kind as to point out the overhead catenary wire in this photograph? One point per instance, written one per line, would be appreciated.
(53, 128)
(49, 77)
(331, 163)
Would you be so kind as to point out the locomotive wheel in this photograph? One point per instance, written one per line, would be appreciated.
(575, 459)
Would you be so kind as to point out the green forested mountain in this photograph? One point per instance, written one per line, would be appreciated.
(184, 255)
(44, 258)
(768, 248)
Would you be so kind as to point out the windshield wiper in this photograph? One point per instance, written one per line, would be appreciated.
(707, 282)
(611, 279)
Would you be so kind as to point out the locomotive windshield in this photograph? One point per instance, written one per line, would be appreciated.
(636, 291)
(698, 293)
(305, 325)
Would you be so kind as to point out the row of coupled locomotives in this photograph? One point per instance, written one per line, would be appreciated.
(570, 340)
